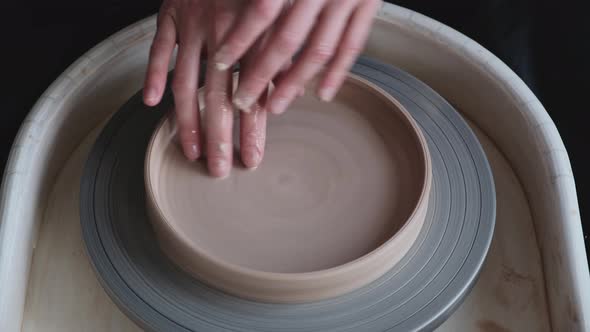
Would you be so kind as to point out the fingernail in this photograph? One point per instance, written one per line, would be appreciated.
(278, 105)
(220, 168)
(193, 152)
(151, 96)
(327, 94)
(243, 102)
(222, 59)
(252, 158)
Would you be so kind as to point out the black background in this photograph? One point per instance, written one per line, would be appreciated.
(544, 42)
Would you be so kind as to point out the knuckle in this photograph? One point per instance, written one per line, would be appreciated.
(235, 46)
(181, 88)
(187, 137)
(167, 8)
(287, 43)
(321, 54)
(158, 47)
(352, 49)
(216, 95)
(256, 83)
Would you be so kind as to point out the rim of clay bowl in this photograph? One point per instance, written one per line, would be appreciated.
(298, 287)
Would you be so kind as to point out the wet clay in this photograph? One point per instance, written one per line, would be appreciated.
(338, 180)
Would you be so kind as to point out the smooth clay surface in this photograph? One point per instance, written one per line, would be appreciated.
(337, 181)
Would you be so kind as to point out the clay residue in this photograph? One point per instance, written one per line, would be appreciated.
(509, 275)
(516, 290)
(486, 325)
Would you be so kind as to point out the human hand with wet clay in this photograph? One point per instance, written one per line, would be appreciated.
(262, 36)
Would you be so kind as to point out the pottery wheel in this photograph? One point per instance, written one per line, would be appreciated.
(416, 294)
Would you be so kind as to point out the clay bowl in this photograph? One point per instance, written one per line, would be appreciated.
(339, 199)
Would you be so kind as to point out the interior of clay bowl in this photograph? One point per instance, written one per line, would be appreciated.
(338, 199)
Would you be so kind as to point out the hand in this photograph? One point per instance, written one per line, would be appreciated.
(334, 32)
(196, 25)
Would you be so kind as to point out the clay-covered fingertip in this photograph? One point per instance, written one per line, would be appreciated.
(219, 169)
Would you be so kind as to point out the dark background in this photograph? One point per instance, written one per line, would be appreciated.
(545, 42)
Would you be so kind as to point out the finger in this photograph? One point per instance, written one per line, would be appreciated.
(350, 47)
(159, 59)
(284, 68)
(253, 124)
(258, 16)
(219, 110)
(280, 76)
(219, 123)
(281, 47)
(323, 42)
(253, 136)
(184, 89)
